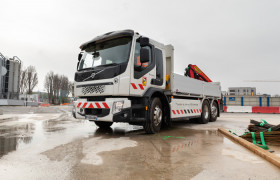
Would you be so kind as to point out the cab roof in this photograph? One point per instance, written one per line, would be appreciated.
(107, 36)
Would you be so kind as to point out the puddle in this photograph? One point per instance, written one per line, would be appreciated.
(93, 146)
(29, 130)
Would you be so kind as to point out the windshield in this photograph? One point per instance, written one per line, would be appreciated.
(109, 52)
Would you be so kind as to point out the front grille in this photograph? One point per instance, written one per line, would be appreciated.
(93, 89)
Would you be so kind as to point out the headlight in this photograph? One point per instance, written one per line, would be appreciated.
(117, 107)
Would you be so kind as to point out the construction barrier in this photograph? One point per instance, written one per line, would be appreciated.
(269, 110)
(252, 109)
(247, 109)
(65, 104)
(45, 105)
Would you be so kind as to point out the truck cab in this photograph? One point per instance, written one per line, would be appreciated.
(125, 77)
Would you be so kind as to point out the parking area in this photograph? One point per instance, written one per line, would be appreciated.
(48, 143)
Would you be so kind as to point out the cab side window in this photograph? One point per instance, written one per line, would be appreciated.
(159, 65)
(137, 63)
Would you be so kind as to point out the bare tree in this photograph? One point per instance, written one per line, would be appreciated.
(22, 82)
(31, 79)
(65, 86)
(58, 87)
(48, 84)
(71, 84)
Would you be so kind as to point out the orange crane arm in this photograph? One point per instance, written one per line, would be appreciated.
(194, 72)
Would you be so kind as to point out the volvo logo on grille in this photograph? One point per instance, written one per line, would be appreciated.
(92, 75)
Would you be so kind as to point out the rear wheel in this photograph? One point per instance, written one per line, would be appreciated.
(214, 112)
(205, 115)
(153, 123)
(103, 125)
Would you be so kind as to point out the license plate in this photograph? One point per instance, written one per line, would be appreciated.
(91, 118)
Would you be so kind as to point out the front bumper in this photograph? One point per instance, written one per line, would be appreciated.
(103, 110)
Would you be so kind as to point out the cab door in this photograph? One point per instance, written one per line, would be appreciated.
(142, 73)
(148, 74)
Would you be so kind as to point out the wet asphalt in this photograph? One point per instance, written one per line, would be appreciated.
(48, 143)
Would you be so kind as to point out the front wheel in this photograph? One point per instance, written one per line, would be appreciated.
(205, 115)
(103, 125)
(153, 123)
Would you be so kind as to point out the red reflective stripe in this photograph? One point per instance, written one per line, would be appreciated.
(173, 112)
(141, 87)
(90, 105)
(105, 105)
(98, 105)
(197, 111)
(84, 105)
(194, 111)
(200, 110)
(182, 111)
(79, 104)
(178, 111)
(133, 85)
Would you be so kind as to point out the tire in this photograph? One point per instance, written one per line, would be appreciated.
(214, 112)
(153, 123)
(74, 114)
(166, 121)
(103, 125)
(205, 115)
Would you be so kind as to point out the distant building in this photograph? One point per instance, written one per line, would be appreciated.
(236, 91)
(10, 76)
(224, 93)
(29, 97)
(9, 81)
(38, 97)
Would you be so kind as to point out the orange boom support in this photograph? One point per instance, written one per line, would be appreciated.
(194, 72)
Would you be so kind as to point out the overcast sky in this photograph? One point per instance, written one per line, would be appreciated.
(230, 40)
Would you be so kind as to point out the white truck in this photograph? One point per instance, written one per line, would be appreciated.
(123, 76)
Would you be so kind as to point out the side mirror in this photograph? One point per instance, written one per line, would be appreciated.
(80, 56)
(144, 41)
(144, 55)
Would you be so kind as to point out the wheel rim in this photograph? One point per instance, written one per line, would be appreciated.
(214, 111)
(206, 112)
(157, 115)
